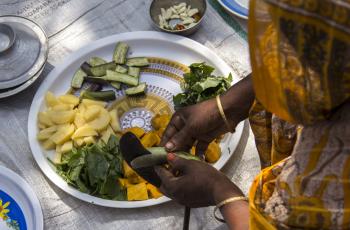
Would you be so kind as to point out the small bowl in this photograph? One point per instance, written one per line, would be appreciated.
(155, 11)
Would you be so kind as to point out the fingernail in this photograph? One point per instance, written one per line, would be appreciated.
(171, 156)
(169, 145)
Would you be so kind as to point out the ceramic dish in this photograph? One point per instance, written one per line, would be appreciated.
(236, 7)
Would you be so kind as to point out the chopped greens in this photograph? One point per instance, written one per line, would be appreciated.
(95, 169)
(199, 85)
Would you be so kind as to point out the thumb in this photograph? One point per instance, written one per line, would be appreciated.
(177, 164)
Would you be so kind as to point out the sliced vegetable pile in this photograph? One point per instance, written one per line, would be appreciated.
(199, 85)
(121, 70)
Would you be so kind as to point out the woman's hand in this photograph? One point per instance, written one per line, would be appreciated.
(194, 183)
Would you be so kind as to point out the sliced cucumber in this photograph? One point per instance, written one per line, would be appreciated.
(86, 67)
(121, 77)
(98, 80)
(120, 53)
(134, 71)
(100, 70)
(140, 89)
(78, 79)
(115, 85)
(99, 96)
(137, 61)
(95, 61)
(121, 69)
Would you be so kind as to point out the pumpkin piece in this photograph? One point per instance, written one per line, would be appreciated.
(69, 99)
(153, 191)
(45, 119)
(160, 132)
(106, 134)
(115, 120)
(79, 120)
(135, 179)
(150, 139)
(128, 171)
(91, 113)
(62, 117)
(48, 144)
(137, 192)
(84, 131)
(51, 100)
(88, 102)
(101, 122)
(160, 121)
(46, 133)
(137, 131)
(63, 134)
(124, 182)
(213, 152)
(66, 147)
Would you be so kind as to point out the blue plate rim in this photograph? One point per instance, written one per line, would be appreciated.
(235, 8)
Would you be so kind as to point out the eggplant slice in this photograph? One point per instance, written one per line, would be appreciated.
(131, 148)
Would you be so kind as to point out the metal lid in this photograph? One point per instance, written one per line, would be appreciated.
(23, 50)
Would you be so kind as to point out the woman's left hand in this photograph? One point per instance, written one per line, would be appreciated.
(194, 183)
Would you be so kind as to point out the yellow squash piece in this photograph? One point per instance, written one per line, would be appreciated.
(66, 147)
(213, 152)
(150, 139)
(84, 131)
(63, 134)
(137, 192)
(51, 100)
(62, 117)
(114, 120)
(89, 140)
(160, 121)
(69, 99)
(48, 144)
(88, 102)
(106, 134)
(46, 133)
(137, 131)
(45, 119)
(101, 122)
(92, 112)
(153, 191)
(79, 120)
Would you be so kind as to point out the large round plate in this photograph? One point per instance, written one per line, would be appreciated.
(236, 7)
(22, 205)
(168, 51)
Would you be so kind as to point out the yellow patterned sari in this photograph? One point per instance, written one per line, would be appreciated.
(300, 54)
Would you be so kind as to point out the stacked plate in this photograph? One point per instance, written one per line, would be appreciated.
(23, 54)
(238, 8)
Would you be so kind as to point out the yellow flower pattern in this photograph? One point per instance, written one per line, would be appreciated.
(3, 210)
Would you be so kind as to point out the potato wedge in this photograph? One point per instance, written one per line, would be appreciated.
(48, 144)
(114, 120)
(92, 112)
(66, 147)
(88, 102)
(84, 131)
(89, 140)
(45, 119)
(62, 107)
(62, 117)
(79, 120)
(69, 99)
(101, 122)
(51, 100)
(106, 134)
(57, 159)
(79, 142)
(63, 134)
(46, 133)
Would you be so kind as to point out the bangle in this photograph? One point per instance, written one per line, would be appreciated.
(222, 113)
(229, 200)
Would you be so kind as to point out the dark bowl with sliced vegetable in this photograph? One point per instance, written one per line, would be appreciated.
(178, 20)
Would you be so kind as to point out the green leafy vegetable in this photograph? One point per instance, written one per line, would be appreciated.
(199, 85)
(95, 169)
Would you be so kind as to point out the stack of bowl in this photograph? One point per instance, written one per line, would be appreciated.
(23, 54)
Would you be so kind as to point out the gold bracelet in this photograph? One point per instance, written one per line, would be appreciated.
(229, 200)
(222, 113)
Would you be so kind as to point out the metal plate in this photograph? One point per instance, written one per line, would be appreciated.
(28, 54)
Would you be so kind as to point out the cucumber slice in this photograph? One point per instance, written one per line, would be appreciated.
(95, 61)
(97, 80)
(121, 69)
(115, 85)
(138, 61)
(78, 79)
(120, 53)
(100, 70)
(99, 96)
(134, 71)
(121, 77)
(140, 89)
